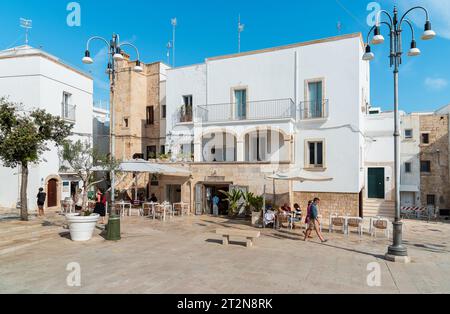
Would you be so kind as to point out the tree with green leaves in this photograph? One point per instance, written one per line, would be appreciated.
(252, 202)
(233, 198)
(24, 137)
(84, 160)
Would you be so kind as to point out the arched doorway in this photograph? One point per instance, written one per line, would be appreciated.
(52, 193)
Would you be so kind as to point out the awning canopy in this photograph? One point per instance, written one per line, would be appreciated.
(300, 175)
(140, 165)
(409, 188)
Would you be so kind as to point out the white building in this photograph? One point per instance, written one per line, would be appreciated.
(410, 160)
(303, 105)
(39, 80)
(379, 163)
(101, 127)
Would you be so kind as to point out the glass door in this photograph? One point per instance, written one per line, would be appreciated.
(199, 200)
(315, 99)
(240, 98)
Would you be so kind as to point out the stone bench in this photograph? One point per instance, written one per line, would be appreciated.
(248, 234)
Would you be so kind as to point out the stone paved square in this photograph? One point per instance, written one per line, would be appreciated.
(184, 255)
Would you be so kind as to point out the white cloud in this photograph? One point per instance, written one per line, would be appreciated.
(439, 14)
(436, 83)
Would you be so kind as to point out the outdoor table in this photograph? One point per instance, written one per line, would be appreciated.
(151, 208)
(184, 208)
(123, 206)
(169, 208)
(164, 211)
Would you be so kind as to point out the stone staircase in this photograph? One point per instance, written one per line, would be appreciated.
(16, 235)
(379, 207)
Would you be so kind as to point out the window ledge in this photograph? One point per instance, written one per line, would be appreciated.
(316, 169)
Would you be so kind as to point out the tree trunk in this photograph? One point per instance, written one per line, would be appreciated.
(85, 196)
(23, 193)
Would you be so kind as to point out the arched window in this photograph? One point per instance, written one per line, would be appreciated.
(219, 147)
(265, 146)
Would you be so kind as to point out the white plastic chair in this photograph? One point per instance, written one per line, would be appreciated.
(382, 224)
(355, 223)
(336, 221)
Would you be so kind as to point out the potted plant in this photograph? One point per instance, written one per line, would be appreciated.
(233, 198)
(81, 159)
(253, 206)
(82, 225)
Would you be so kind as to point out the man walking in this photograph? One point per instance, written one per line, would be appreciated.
(41, 196)
(314, 223)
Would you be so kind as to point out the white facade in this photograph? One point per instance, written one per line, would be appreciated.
(379, 152)
(101, 127)
(278, 84)
(39, 80)
(410, 160)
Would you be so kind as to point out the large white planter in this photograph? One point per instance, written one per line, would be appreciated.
(82, 227)
(257, 219)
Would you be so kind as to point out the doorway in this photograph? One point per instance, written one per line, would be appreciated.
(408, 199)
(173, 193)
(52, 193)
(376, 183)
(216, 190)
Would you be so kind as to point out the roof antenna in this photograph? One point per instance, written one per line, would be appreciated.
(27, 24)
(241, 28)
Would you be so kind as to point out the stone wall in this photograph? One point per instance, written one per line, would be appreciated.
(134, 92)
(437, 182)
(248, 175)
(330, 203)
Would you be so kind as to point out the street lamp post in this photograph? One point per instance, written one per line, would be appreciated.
(114, 55)
(397, 250)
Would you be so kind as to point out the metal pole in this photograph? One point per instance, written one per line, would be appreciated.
(174, 24)
(397, 249)
(113, 118)
(239, 34)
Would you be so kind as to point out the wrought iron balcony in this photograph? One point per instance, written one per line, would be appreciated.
(253, 110)
(185, 114)
(311, 110)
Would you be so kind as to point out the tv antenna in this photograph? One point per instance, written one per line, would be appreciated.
(169, 47)
(241, 28)
(27, 24)
(174, 23)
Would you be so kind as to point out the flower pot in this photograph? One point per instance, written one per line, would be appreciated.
(82, 227)
(256, 219)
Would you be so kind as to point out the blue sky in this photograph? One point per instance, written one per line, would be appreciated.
(209, 28)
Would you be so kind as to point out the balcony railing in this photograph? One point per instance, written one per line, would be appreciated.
(314, 110)
(69, 113)
(253, 110)
(185, 114)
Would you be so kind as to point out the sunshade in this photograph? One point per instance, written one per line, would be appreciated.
(299, 175)
(140, 165)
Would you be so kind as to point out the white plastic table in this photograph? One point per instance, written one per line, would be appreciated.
(123, 206)
(151, 207)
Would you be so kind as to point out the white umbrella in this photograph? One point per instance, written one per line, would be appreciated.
(293, 175)
(143, 166)
(140, 165)
(300, 175)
